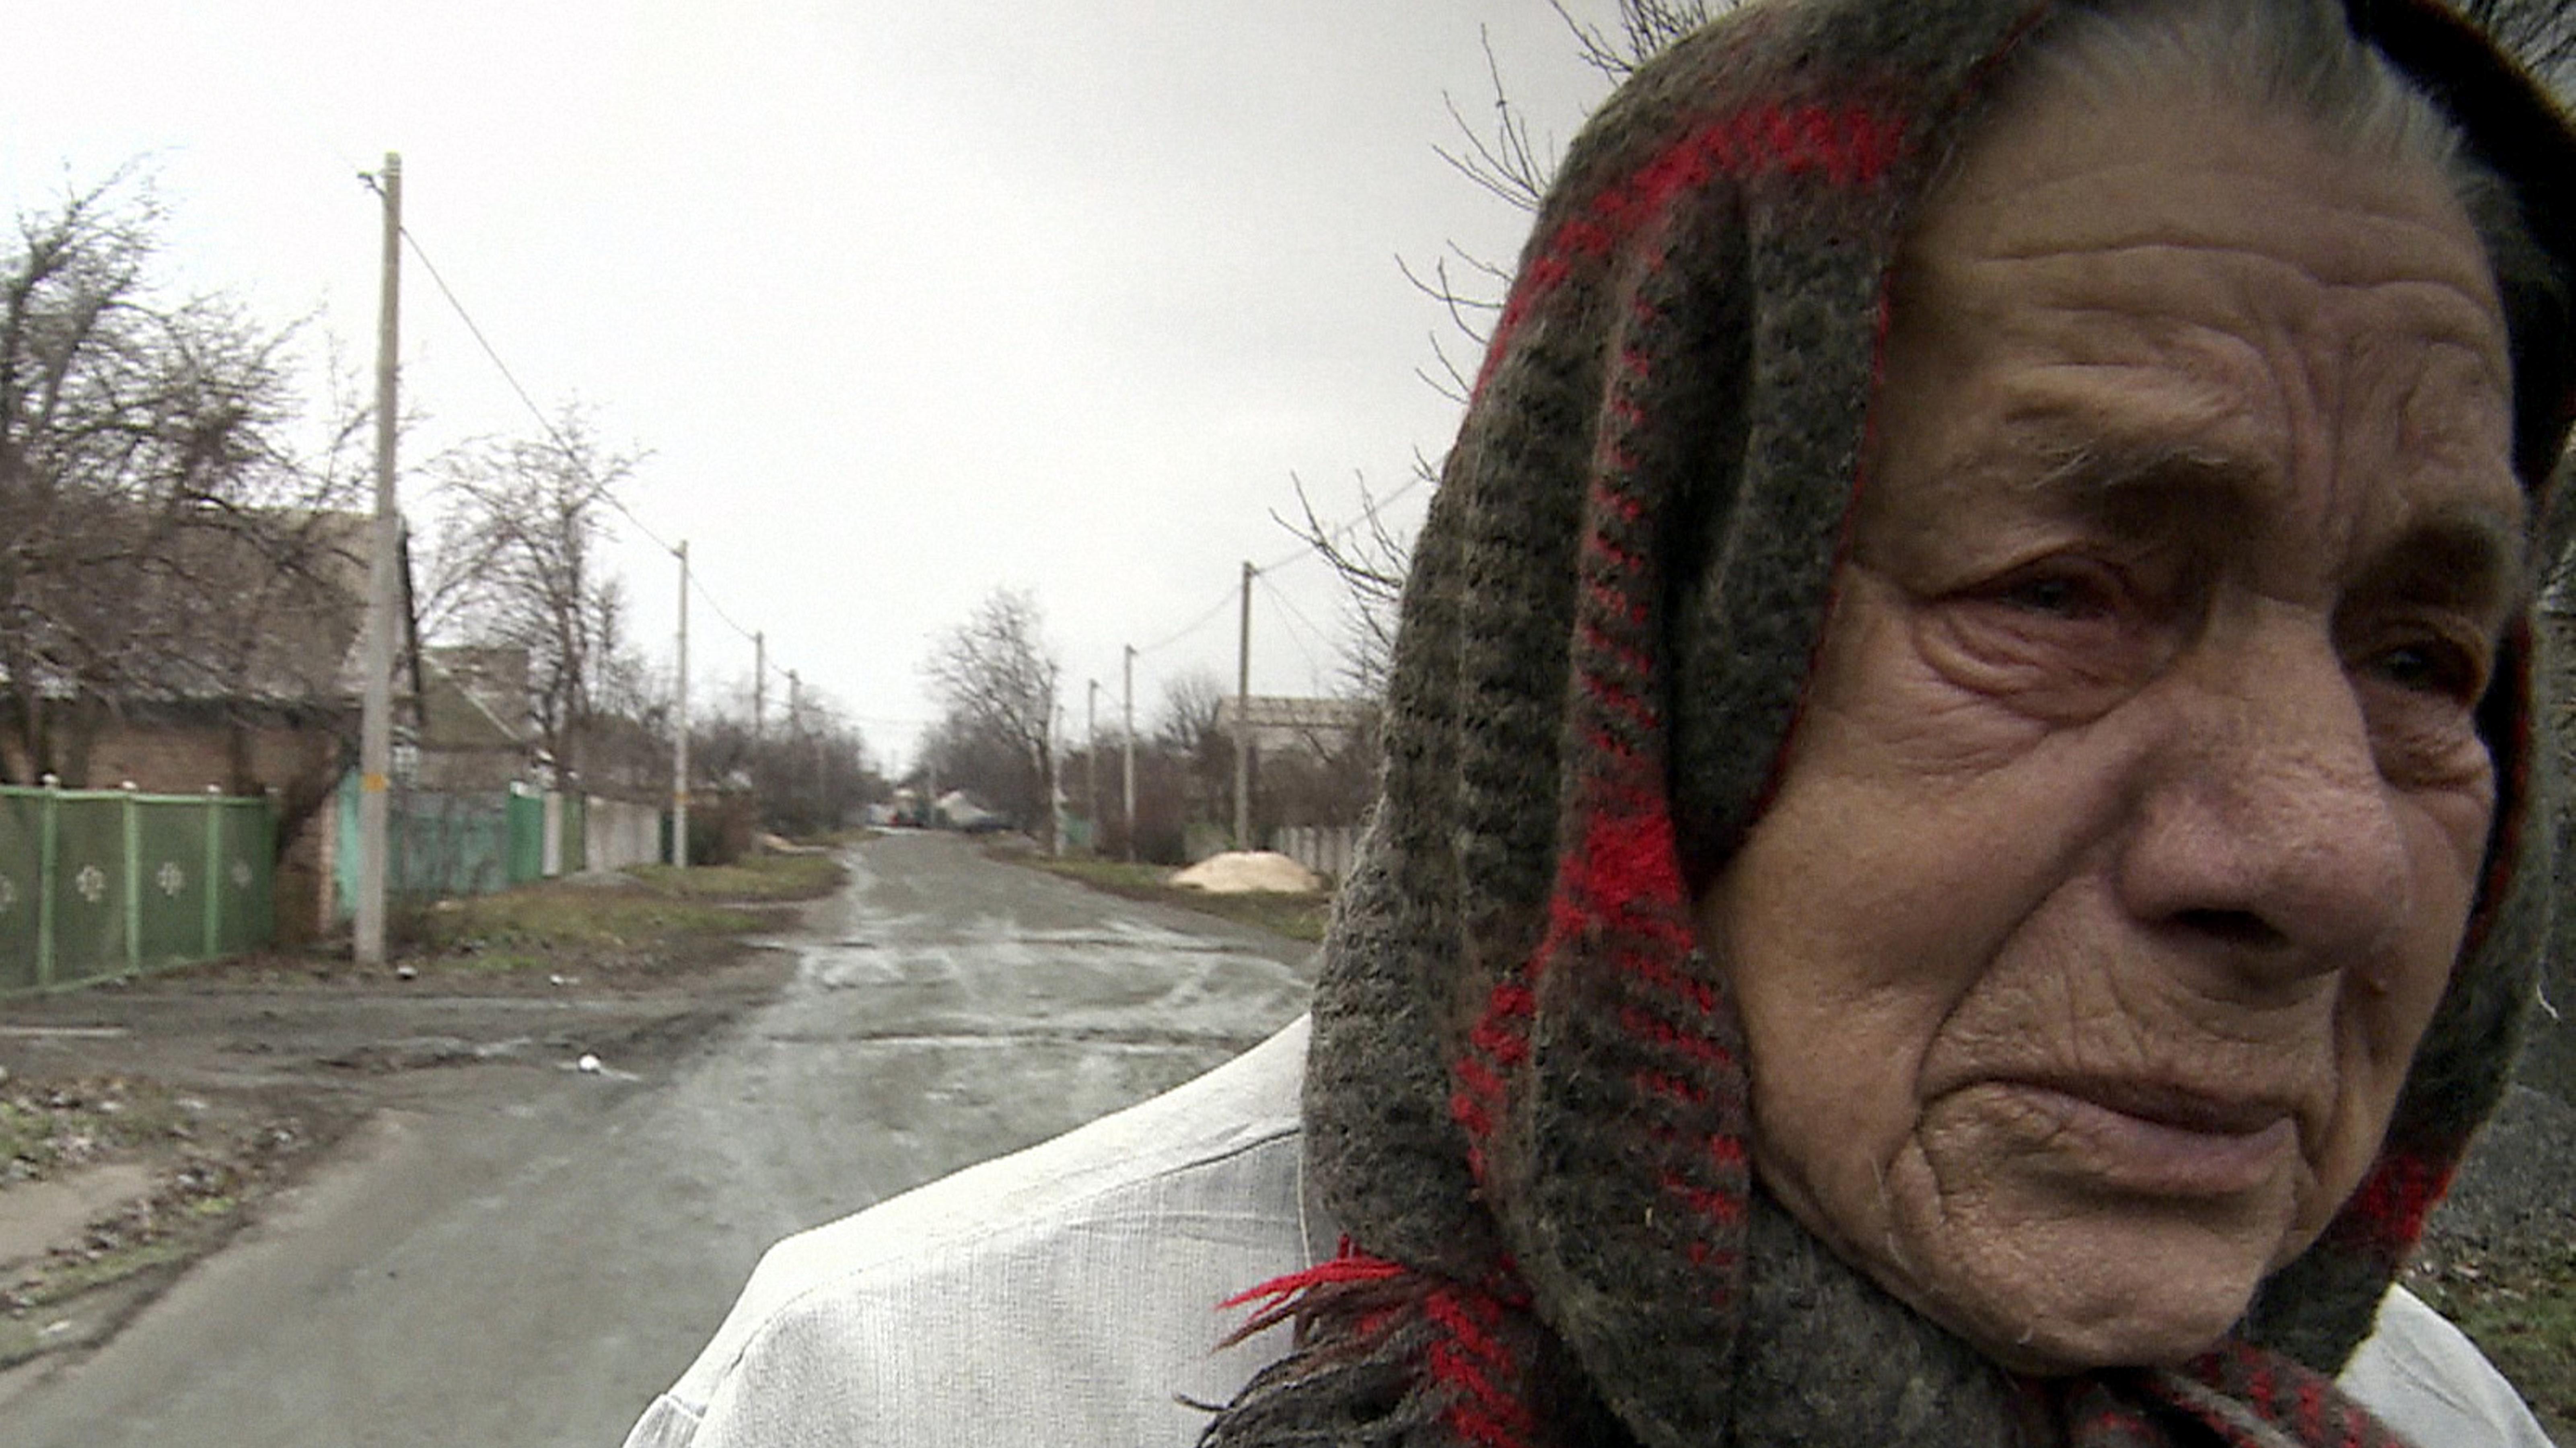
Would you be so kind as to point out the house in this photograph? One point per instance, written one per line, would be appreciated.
(476, 732)
(1325, 728)
(243, 677)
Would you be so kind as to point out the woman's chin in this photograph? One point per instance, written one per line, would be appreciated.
(2047, 1276)
(2067, 1297)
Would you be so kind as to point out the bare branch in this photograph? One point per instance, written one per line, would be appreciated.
(996, 677)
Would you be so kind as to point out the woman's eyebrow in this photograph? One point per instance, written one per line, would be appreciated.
(2462, 552)
(2462, 556)
(2147, 489)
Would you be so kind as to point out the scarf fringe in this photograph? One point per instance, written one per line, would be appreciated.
(1387, 1355)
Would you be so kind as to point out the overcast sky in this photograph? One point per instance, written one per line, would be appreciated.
(905, 301)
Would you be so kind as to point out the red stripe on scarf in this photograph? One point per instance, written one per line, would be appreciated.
(1473, 1362)
(1622, 877)
(1700, 1048)
(1619, 606)
(1726, 1208)
(1849, 145)
(2386, 1214)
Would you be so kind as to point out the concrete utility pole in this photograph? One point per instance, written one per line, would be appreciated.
(384, 587)
(759, 689)
(1091, 761)
(1128, 749)
(1243, 719)
(1053, 769)
(680, 729)
(795, 718)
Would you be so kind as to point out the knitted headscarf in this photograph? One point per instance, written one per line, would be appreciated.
(1525, 1099)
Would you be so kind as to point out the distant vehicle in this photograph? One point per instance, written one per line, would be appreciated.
(957, 811)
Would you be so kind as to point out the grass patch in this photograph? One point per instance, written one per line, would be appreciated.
(2520, 1308)
(71, 1280)
(50, 1126)
(761, 877)
(1299, 917)
(535, 920)
(650, 919)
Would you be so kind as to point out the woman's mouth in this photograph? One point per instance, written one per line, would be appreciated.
(2163, 1142)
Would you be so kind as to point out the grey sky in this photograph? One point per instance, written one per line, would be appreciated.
(906, 301)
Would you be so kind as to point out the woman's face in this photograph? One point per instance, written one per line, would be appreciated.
(2136, 812)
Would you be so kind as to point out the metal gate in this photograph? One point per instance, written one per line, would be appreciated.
(100, 883)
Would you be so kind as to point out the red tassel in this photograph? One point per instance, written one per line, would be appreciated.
(1349, 1264)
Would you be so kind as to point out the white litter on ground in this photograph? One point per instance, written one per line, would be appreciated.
(1242, 872)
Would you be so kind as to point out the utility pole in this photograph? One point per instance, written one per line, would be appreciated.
(762, 811)
(1128, 749)
(376, 706)
(1054, 765)
(680, 729)
(1091, 761)
(1243, 719)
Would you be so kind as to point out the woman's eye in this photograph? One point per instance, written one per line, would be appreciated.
(2058, 593)
(2061, 636)
(2431, 666)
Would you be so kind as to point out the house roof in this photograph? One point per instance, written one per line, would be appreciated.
(474, 698)
(259, 606)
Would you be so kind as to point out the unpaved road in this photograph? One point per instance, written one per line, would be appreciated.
(529, 1261)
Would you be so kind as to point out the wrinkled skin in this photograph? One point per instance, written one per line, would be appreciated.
(2133, 823)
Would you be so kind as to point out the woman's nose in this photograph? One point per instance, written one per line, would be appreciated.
(2263, 826)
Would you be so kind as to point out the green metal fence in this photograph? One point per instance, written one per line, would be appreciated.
(441, 845)
(527, 824)
(96, 884)
(573, 850)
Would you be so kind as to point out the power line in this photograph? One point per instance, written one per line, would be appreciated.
(1348, 525)
(697, 585)
(475, 329)
(1224, 601)
(1314, 670)
(1301, 552)
(1297, 613)
(700, 590)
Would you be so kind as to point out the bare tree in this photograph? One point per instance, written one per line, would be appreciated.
(809, 772)
(996, 678)
(1499, 157)
(1371, 557)
(1193, 700)
(516, 566)
(2541, 32)
(151, 505)
(1644, 29)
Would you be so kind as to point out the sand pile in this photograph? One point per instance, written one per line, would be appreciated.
(1240, 872)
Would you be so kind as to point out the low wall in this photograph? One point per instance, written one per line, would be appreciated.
(1324, 849)
(618, 833)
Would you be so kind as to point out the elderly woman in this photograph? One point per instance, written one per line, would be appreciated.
(1958, 859)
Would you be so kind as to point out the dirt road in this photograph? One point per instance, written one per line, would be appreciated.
(528, 1255)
